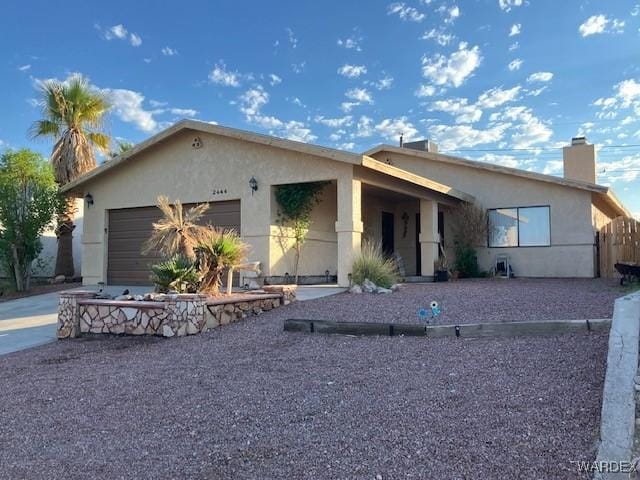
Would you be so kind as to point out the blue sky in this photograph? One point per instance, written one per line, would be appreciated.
(504, 81)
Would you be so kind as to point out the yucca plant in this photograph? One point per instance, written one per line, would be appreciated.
(177, 273)
(217, 250)
(177, 233)
(371, 264)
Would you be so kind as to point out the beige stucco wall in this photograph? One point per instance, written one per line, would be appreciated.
(175, 169)
(571, 253)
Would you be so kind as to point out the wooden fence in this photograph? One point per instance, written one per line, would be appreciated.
(618, 241)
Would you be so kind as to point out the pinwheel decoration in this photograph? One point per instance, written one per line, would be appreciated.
(428, 314)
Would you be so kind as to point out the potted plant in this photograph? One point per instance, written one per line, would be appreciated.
(441, 267)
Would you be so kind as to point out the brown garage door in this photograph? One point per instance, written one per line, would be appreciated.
(129, 228)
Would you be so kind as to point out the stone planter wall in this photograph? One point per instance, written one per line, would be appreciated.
(175, 315)
(223, 312)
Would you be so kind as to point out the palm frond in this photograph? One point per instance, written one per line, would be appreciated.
(99, 140)
(44, 128)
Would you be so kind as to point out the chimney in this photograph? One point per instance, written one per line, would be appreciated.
(579, 160)
(422, 145)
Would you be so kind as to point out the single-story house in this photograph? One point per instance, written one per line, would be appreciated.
(404, 197)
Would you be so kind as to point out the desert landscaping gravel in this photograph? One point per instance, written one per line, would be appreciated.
(475, 301)
(249, 401)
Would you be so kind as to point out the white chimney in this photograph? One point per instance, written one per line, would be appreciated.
(579, 160)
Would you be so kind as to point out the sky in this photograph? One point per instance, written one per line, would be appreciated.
(502, 81)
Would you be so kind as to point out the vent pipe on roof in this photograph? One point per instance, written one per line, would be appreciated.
(401, 141)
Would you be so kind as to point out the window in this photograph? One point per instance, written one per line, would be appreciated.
(519, 227)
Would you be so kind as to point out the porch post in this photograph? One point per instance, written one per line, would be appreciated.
(349, 226)
(429, 237)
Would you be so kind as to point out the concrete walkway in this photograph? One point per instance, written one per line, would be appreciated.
(29, 322)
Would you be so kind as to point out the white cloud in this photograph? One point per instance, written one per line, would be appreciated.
(527, 129)
(515, 29)
(135, 40)
(425, 91)
(359, 95)
(345, 121)
(452, 70)
(128, 106)
(506, 5)
(117, 31)
(352, 71)
(514, 46)
(348, 106)
(451, 14)
(540, 77)
(405, 12)
(184, 112)
(392, 128)
(293, 41)
(439, 35)
(364, 127)
(627, 95)
(24, 68)
(383, 84)
(497, 96)
(274, 79)
(626, 169)
(597, 24)
(515, 64)
(221, 76)
(298, 67)
(251, 103)
(352, 43)
(465, 136)
(121, 33)
(459, 108)
(553, 167)
(253, 100)
(169, 52)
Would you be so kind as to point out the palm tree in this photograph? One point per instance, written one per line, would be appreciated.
(122, 146)
(177, 232)
(72, 116)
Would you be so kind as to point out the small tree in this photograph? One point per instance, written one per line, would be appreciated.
(470, 232)
(29, 201)
(296, 203)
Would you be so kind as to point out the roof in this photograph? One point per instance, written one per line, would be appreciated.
(604, 192)
(365, 160)
(329, 153)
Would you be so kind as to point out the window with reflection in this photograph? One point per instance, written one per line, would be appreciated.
(519, 227)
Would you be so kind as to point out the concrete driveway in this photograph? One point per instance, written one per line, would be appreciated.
(29, 322)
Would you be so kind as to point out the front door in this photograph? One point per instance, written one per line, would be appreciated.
(388, 246)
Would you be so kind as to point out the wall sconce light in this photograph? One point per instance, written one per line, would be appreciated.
(253, 184)
(89, 199)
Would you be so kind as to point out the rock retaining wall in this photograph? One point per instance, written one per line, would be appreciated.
(176, 315)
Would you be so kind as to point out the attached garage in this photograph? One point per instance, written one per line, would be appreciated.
(129, 228)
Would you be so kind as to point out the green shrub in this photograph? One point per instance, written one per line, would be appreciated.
(466, 261)
(217, 250)
(176, 273)
(373, 265)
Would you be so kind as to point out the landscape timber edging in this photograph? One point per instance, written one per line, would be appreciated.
(469, 330)
(618, 414)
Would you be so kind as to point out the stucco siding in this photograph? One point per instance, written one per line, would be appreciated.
(219, 170)
(572, 239)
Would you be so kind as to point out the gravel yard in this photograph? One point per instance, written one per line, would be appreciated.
(249, 401)
(474, 301)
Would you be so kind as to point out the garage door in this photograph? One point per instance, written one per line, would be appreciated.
(129, 228)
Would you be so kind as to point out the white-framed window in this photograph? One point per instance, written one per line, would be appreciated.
(520, 227)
